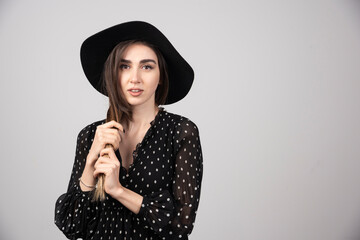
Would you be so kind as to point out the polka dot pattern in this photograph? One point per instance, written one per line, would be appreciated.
(166, 170)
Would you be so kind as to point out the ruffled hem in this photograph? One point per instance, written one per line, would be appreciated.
(75, 214)
(157, 210)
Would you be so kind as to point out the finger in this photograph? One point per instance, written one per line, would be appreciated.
(106, 168)
(106, 160)
(101, 160)
(104, 135)
(113, 124)
(111, 156)
(118, 126)
(114, 140)
(109, 151)
(99, 171)
(115, 135)
(110, 136)
(106, 151)
(112, 131)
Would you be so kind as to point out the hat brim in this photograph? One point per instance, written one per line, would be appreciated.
(95, 50)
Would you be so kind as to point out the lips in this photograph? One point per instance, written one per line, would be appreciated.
(135, 91)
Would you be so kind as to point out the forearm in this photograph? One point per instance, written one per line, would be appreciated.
(110, 167)
(129, 199)
(87, 177)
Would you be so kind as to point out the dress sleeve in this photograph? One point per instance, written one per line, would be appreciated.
(172, 215)
(75, 213)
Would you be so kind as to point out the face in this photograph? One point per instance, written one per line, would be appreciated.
(139, 75)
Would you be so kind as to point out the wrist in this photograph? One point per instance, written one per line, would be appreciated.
(89, 168)
(118, 192)
(87, 178)
(90, 160)
(84, 187)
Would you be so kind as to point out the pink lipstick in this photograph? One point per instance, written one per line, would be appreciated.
(135, 91)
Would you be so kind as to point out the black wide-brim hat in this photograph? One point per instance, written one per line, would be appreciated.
(95, 50)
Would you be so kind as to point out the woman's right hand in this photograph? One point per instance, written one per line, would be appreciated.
(107, 133)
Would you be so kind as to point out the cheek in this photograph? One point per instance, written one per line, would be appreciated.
(157, 78)
(151, 80)
(122, 79)
(156, 83)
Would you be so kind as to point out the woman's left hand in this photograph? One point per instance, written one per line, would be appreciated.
(110, 166)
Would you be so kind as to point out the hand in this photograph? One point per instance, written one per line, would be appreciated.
(107, 133)
(109, 165)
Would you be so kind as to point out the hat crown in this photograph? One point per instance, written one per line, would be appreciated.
(96, 48)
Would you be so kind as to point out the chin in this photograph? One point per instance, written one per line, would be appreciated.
(135, 103)
(139, 101)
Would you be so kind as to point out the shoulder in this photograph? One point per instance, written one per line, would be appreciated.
(176, 119)
(180, 123)
(90, 129)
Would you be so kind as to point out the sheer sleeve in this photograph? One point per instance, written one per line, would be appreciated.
(172, 215)
(75, 214)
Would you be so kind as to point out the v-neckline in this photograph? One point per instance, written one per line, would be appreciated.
(139, 144)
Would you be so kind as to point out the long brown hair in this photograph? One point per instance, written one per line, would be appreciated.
(119, 109)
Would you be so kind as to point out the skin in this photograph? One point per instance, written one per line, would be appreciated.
(139, 69)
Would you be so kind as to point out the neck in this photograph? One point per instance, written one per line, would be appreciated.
(142, 116)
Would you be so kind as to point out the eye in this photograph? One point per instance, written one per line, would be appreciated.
(124, 66)
(147, 67)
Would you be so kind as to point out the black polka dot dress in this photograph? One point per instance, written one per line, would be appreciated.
(166, 171)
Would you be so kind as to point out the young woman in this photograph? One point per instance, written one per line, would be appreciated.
(152, 173)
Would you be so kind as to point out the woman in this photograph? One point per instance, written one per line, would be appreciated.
(153, 171)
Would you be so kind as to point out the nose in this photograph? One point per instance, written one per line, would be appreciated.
(135, 78)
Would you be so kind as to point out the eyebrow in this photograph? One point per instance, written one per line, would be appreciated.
(142, 61)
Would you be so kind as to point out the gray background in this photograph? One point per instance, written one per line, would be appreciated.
(276, 99)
